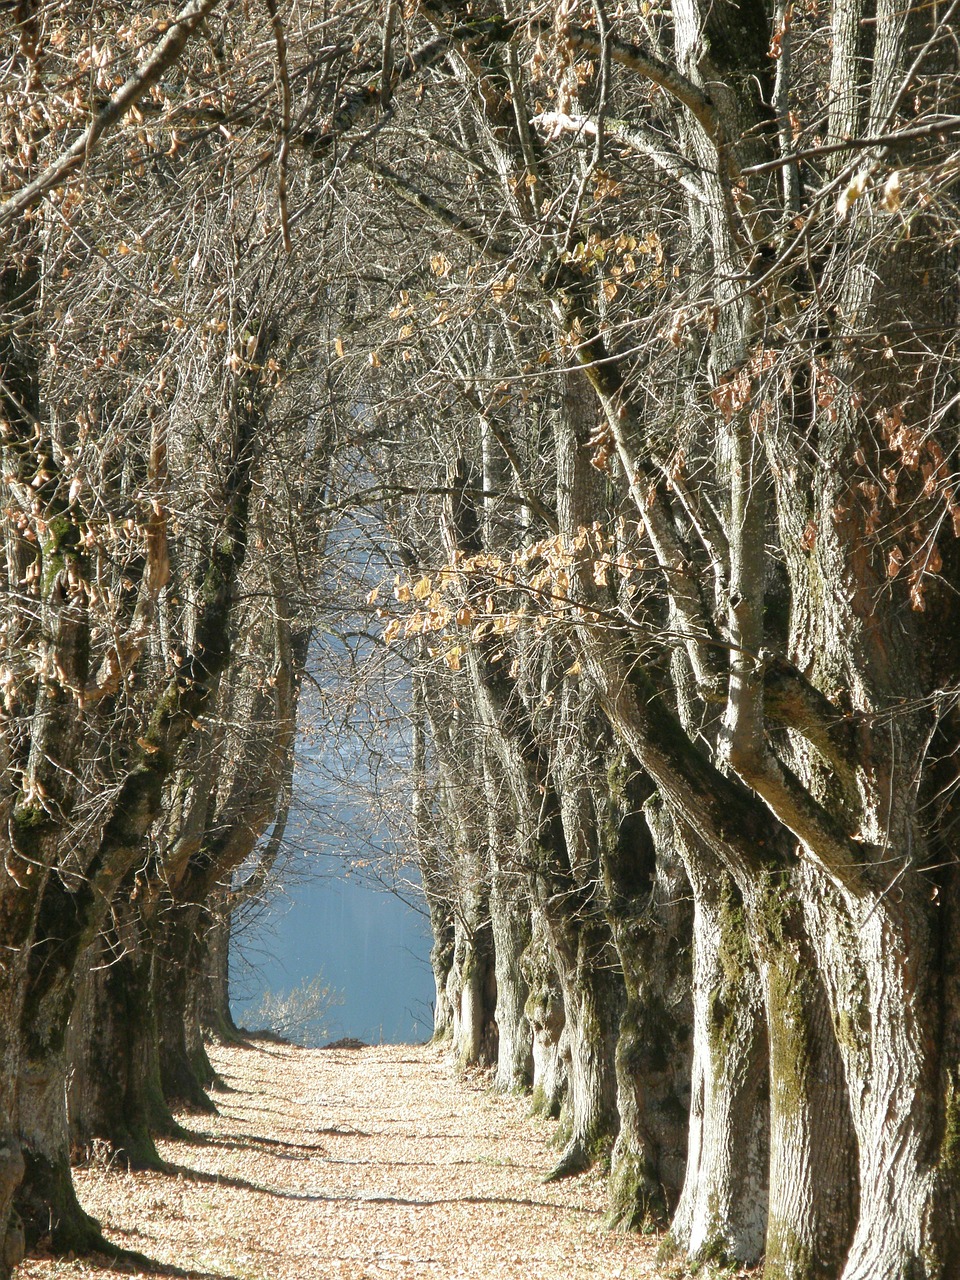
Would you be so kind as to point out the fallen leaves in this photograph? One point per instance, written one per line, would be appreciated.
(355, 1165)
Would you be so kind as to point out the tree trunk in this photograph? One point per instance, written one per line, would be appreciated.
(510, 922)
(592, 988)
(42, 740)
(569, 888)
(545, 1014)
(722, 1213)
(11, 1157)
(471, 987)
(471, 982)
(893, 976)
(46, 1200)
(176, 958)
(114, 1099)
(193, 1027)
(431, 860)
(722, 1209)
(812, 1181)
(441, 962)
(652, 923)
(216, 1014)
(510, 926)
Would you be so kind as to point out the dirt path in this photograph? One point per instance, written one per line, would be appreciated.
(358, 1165)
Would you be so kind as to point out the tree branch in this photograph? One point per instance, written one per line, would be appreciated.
(637, 59)
(627, 135)
(438, 212)
(164, 56)
(792, 701)
(944, 124)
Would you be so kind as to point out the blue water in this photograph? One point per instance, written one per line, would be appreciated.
(371, 947)
(331, 916)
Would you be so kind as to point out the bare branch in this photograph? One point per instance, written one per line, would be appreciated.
(164, 56)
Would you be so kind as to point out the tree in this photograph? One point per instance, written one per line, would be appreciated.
(138, 426)
(636, 338)
(780, 414)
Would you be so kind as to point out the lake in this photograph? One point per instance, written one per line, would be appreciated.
(369, 945)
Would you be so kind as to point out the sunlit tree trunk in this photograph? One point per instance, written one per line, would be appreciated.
(723, 1206)
(466, 960)
(545, 1014)
(433, 865)
(510, 927)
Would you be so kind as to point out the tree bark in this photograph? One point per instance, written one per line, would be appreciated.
(545, 1014)
(11, 1157)
(571, 896)
(216, 1014)
(813, 1175)
(510, 927)
(114, 1098)
(183, 1074)
(893, 974)
(46, 1200)
(722, 1212)
(471, 985)
(649, 909)
(510, 924)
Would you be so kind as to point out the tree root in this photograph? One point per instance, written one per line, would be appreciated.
(575, 1159)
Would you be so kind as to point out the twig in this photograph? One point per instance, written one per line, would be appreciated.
(281, 43)
(165, 55)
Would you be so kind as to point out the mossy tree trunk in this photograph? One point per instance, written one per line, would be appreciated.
(722, 1212)
(649, 909)
(115, 1100)
(239, 857)
(178, 953)
(742, 845)
(643, 880)
(893, 969)
(46, 1200)
(74, 905)
(193, 1014)
(545, 1016)
(441, 962)
(229, 795)
(813, 1160)
(508, 885)
(722, 1207)
(593, 999)
(510, 927)
(47, 633)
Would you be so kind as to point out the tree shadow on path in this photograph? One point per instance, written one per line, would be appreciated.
(129, 1262)
(360, 1197)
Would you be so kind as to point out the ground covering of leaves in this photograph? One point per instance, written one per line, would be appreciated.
(346, 1164)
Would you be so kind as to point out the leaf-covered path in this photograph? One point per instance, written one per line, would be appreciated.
(357, 1165)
